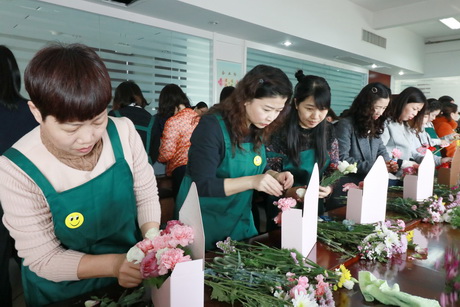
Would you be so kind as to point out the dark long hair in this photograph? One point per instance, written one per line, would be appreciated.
(68, 82)
(10, 79)
(447, 109)
(409, 95)
(317, 88)
(171, 96)
(128, 92)
(362, 109)
(260, 82)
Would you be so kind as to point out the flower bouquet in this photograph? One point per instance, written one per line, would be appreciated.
(160, 251)
(258, 275)
(387, 240)
(343, 168)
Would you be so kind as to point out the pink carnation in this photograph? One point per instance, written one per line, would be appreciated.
(149, 266)
(303, 281)
(161, 242)
(277, 219)
(169, 225)
(170, 258)
(396, 153)
(145, 245)
(296, 290)
(285, 203)
(180, 235)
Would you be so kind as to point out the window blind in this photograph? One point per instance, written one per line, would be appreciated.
(152, 57)
(345, 84)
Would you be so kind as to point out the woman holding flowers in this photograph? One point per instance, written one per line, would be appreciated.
(359, 135)
(77, 191)
(306, 137)
(404, 114)
(227, 156)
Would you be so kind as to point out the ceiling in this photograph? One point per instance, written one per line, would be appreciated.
(418, 16)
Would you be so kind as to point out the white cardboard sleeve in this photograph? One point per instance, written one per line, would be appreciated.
(420, 186)
(299, 227)
(185, 286)
(369, 204)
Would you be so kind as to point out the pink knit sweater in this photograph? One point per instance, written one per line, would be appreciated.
(26, 212)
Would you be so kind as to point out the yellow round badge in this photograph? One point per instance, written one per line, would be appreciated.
(257, 160)
(74, 220)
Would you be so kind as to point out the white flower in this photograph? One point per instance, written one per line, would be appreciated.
(342, 167)
(352, 168)
(152, 233)
(302, 300)
(135, 254)
(300, 192)
(379, 248)
(348, 284)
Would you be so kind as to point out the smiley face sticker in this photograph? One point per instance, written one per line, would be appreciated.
(257, 160)
(74, 220)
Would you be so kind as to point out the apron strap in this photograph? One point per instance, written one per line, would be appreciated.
(148, 132)
(115, 140)
(33, 172)
(223, 126)
(30, 169)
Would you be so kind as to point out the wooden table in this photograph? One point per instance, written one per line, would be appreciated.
(416, 277)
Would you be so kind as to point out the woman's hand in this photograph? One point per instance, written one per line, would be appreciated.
(286, 179)
(444, 143)
(392, 166)
(127, 273)
(324, 191)
(268, 184)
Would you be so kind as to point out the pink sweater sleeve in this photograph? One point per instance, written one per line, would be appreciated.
(28, 218)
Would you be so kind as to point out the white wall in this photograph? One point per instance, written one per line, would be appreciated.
(335, 23)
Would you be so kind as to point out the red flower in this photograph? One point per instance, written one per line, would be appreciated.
(149, 266)
(432, 148)
(444, 165)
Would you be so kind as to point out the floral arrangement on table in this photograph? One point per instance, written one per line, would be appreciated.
(258, 275)
(371, 241)
(387, 240)
(160, 251)
(343, 237)
(432, 210)
(451, 264)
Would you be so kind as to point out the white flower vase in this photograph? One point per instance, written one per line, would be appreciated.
(299, 227)
(369, 204)
(185, 286)
(420, 186)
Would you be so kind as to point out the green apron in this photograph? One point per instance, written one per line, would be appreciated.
(432, 133)
(301, 173)
(148, 132)
(97, 217)
(228, 216)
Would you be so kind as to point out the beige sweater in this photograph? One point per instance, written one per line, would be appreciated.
(26, 211)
